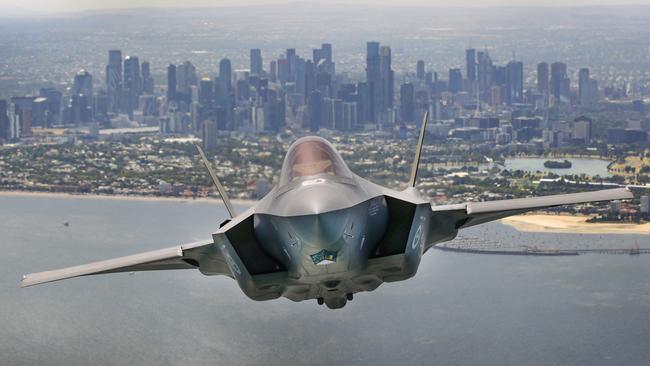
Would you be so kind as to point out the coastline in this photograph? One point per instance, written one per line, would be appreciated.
(100, 197)
(568, 224)
(537, 223)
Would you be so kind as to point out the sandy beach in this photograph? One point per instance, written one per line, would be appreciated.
(211, 200)
(571, 225)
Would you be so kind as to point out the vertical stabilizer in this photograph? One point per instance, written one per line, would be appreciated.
(217, 183)
(418, 152)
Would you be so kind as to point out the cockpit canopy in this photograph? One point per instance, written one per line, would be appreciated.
(310, 157)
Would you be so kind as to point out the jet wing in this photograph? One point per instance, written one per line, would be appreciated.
(474, 213)
(186, 256)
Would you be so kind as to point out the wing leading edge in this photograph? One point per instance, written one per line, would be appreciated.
(187, 256)
(474, 213)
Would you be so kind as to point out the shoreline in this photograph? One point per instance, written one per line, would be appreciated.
(121, 197)
(535, 223)
(570, 224)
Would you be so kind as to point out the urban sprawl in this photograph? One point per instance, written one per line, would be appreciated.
(124, 133)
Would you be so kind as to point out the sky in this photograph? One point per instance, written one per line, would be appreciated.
(66, 6)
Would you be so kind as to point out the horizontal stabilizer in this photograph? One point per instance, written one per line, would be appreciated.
(475, 213)
(163, 259)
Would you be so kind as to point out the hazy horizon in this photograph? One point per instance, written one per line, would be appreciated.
(18, 7)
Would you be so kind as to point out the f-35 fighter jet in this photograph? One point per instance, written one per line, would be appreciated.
(323, 232)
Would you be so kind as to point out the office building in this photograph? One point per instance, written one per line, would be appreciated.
(470, 64)
(419, 69)
(256, 61)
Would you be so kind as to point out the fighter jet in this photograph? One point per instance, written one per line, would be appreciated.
(323, 232)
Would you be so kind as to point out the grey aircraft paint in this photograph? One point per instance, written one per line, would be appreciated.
(323, 233)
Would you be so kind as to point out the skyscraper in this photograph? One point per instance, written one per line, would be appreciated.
(582, 127)
(273, 71)
(82, 84)
(542, 77)
(558, 80)
(54, 102)
(256, 61)
(587, 89)
(315, 110)
(209, 135)
(514, 82)
(4, 120)
(387, 82)
(114, 78)
(470, 64)
(185, 79)
(373, 81)
(132, 83)
(484, 70)
(322, 59)
(206, 93)
(407, 102)
(224, 89)
(147, 80)
(455, 80)
(583, 79)
(171, 83)
(291, 64)
(419, 69)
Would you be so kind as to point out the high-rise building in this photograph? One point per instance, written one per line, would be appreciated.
(22, 117)
(273, 71)
(171, 83)
(373, 81)
(542, 77)
(224, 91)
(209, 135)
(514, 82)
(455, 80)
(420, 70)
(114, 78)
(583, 80)
(256, 61)
(54, 103)
(387, 79)
(558, 81)
(322, 59)
(350, 116)
(4, 119)
(82, 84)
(315, 110)
(470, 64)
(587, 89)
(582, 127)
(185, 79)
(206, 92)
(484, 71)
(291, 64)
(132, 85)
(147, 79)
(407, 102)
(80, 109)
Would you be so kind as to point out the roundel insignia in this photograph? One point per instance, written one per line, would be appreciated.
(417, 238)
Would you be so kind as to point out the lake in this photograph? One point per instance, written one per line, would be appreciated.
(460, 309)
(589, 167)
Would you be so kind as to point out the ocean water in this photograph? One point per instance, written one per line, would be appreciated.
(460, 309)
(589, 167)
